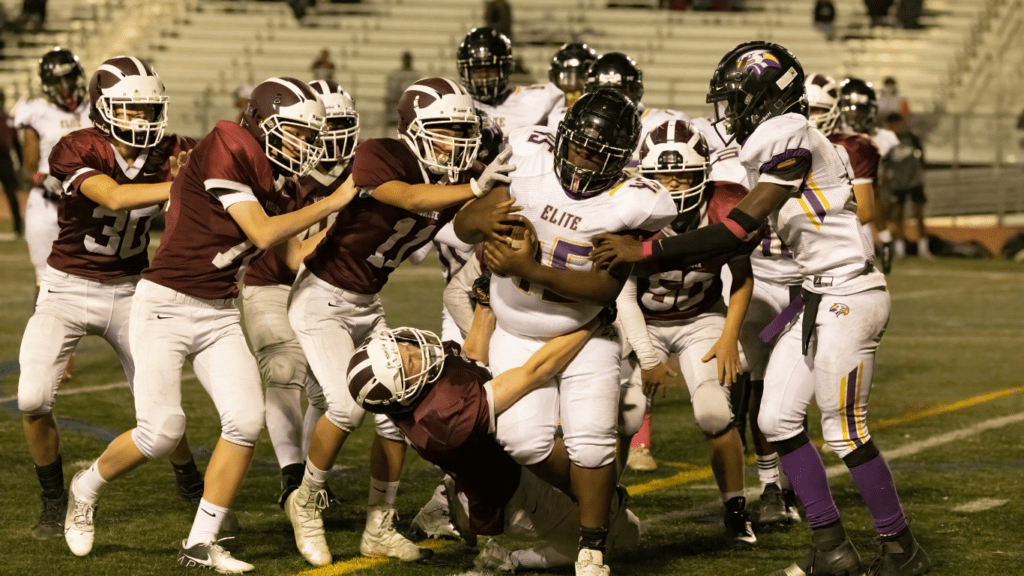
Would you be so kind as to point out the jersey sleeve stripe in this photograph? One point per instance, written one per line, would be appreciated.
(859, 181)
(229, 198)
(220, 183)
(78, 177)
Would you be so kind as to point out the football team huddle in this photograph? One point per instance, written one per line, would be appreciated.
(585, 239)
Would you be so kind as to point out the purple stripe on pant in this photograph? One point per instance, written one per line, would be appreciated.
(851, 408)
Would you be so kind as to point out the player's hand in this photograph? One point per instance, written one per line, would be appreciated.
(178, 162)
(655, 377)
(613, 249)
(494, 173)
(728, 354)
(496, 222)
(52, 188)
(343, 194)
(503, 260)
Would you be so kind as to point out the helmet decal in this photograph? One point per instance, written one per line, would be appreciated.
(758, 61)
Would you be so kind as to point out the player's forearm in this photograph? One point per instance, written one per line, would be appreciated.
(739, 302)
(457, 295)
(478, 338)
(132, 196)
(277, 229)
(865, 195)
(591, 287)
(421, 198)
(298, 250)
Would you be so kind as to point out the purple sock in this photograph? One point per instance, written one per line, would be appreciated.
(876, 486)
(806, 472)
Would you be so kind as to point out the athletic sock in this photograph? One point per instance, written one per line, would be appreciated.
(89, 485)
(187, 475)
(642, 437)
(314, 477)
(807, 473)
(768, 469)
(207, 523)
(878, 489)
(383, 493)
(51, 478)
(594, 538)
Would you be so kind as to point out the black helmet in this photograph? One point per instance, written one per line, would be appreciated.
(568, 69)
(755, 81)
(595, 141)
(858, 104)
(63, 79)
(617, 71)
(485, 49)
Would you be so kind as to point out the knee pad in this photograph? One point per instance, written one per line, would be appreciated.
(283, 366)
(243, 427)
(160, 438)
(633, 405)
(386, 428)
(711, 408)
(528, 450)
(591, 452)
(35, 400)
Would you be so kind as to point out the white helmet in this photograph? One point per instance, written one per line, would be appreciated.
(377, 377)
(341, 129)
(285, 113)
(677, 146)
(122, 83)
(823, 102)
(431, 104)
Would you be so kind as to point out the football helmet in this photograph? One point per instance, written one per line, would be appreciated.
(823, 102)
(381, 382)
(754, 82)
(63, 79)
(676, 146)
(287, 118)
(595, 141)
(617, 71)
(128, 101)
(568, 69)
(429, 106)
(485, 63)
(858, 104)
(341, 121)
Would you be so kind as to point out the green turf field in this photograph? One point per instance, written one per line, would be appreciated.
(947, 408)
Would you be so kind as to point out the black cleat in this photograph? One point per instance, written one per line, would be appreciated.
(51, 518)
(773, 506)
(825, 557)
(792, 505)
(900, 555)
(888, 252)
(737, 522)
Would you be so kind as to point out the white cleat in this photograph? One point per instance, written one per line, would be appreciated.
(304, 508)
(210, 555)
(79, 531)
(591, 563)
(433, 519)
(381, 539)
(494, 557)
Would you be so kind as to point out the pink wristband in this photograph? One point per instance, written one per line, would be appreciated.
(647, 248)
(735, 228)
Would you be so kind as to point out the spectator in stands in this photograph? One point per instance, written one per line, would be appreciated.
(397, 82)
(8, 173)
(498, 15)
(905, 167)
(878, 11)
(824, 18)
(299, 8)
(323, 68)
(908, 12)
(33, 15)
(890, 101)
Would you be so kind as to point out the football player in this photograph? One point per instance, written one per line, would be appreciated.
(683, 313)
(432, 390)
(218, 219)
(485, 63)
(265, 289)
(858, 105)
(63, 109)
(829, 335)
(114, 178)
(409, 188)
(586, 193)
(568, 71)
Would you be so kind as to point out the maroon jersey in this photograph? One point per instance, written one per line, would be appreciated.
(675, 295)
(450, 428)
(269, 269)
(369, 238)
(95, 242)
(203, 248)
(863, 153)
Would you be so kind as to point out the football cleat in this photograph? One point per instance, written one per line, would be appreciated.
(640, 459)
(304, 509)
(381, 539)
(831, 560)
(591, 563)
(79, 531)
(210, 555)
(888, 253)
(434, 519)
(51, 518)
(494, 557)
(773, 506)
(737, 522)
(792, 505)
(900, 555)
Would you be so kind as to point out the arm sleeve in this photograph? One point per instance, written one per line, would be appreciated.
(446, 235)
(779, 151)
(631, 317)
(457, 295)
(73, 164)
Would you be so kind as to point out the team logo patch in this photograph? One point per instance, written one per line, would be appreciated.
(839, 310)
(609, 78)
(759, 61)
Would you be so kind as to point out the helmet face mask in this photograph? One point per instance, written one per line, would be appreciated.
(286, 117)
(568, 69)
(62, 79)
(858, 104)
(341, 122)
(128, 102)
(676, 154)
(595, 142)
(617, 71)
(439, 122)
(823, 102)
(296, 147)
(394, 368)
(484, 60)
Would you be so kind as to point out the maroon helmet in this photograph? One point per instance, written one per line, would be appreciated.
(433, 104)
(287, 118)
(341, 129)
(128, 101)
(676, 146)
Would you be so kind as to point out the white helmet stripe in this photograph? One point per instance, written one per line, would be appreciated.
(321, 85)
(113, 70)
(455, 86)
(139, 65)
(425, 89)
(290, 86)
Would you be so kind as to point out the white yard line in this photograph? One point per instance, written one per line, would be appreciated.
(981, 505)
(90, 389)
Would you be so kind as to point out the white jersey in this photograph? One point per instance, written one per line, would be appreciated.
(51, 123)
(524, 106)
(819, 223)
(885, 139)
(557, 115)
(565, 226)
(533, 151)
(715, 142)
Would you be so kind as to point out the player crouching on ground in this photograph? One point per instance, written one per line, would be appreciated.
(432, 390)
(114, 177)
